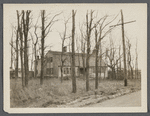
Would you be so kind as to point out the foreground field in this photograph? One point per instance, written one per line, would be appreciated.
(54, 93)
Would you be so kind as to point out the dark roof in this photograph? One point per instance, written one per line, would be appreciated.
(69, 53)
(59, 52)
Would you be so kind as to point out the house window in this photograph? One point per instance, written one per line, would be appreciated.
(101, 69)
(37, 62)
(49, 71)
(70, 70)
(51, 59)
(66, 70)
(94, 69)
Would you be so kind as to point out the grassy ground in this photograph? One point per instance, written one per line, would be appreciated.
(53, 92)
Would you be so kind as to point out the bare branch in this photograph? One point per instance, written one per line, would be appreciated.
(110, 21)
(50, 23)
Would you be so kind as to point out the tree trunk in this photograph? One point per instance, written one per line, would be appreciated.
(62, 63)
(99, 47)
(17, 36)
(83, 61)
(136, 63)
(21, 55)
(73, 54)
(87, 71)
(61, 73)
(26, 30)
(11, 51)
(131, 71)
(87, 58)
(88, 48)
(26, 63)
(42, 46)
(21, 59)
(83, 58)
(96, 61)
(35, 75)
(16, 68)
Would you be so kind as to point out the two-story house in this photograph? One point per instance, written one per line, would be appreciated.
(54, 60)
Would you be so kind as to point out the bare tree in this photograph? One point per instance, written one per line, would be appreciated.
(78, 50)
(124, 46)
(99, 35)
(26, 23)
(35, 42)
(63, 38)
(17, 40)
(96, 62)
(11, 43)
(117, 64)
(45, 29)
(88, 35)
(89, 28)
(136, 62)
(73, 54)
(130, 68)
(13, 50)
(42, 45)
(21, 49)
(83, 48)
(113, 59)
(100, 64)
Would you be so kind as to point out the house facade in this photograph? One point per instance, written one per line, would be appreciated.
(54, 61)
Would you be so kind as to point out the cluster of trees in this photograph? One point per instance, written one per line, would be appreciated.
(22, 31)
(93, 27)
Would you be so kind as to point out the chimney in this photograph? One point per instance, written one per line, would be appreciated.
(37, 57)
(65, 49)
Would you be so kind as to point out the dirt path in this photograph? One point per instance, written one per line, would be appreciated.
(129, 100)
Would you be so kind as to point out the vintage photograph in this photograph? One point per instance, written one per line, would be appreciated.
(75, 58)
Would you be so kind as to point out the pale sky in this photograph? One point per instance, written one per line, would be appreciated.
(136, 31)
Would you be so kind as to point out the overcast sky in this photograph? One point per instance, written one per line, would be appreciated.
(136, 31)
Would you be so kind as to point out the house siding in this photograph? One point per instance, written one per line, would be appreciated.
(56, 64)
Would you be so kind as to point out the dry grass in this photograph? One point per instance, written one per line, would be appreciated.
(53, 92)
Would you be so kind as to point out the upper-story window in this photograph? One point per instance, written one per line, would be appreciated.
(51, 59)
(36, 62)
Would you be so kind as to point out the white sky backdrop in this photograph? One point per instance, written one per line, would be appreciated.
(136, 31)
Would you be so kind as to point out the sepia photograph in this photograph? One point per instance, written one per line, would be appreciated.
(75, 58)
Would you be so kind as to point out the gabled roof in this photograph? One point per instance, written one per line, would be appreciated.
(79, 61)
(66, 53)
